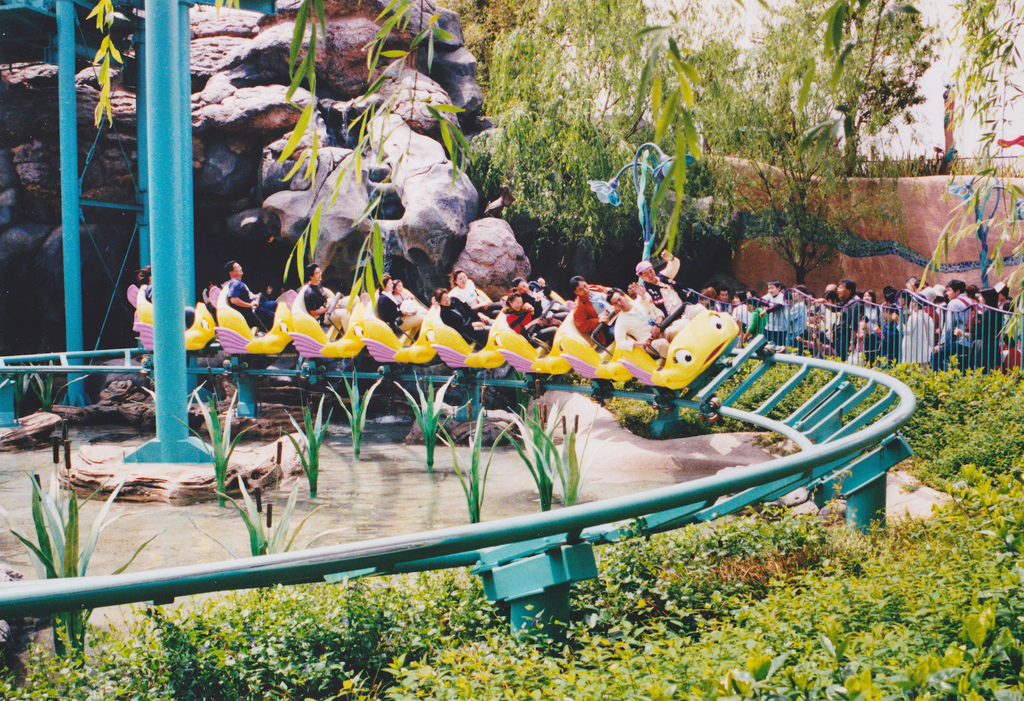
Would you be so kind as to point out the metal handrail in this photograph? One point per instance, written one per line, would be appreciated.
(461, 545)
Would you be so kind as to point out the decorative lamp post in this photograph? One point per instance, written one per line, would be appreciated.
(648, 161)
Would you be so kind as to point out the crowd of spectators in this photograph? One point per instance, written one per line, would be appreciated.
(934, 326)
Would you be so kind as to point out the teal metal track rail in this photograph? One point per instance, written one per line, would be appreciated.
(529, 560)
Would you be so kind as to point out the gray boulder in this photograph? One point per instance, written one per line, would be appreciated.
(455, 71)
(227, 170)
(414, 92)
(210, 54)
(222, 22)
(492, 257)
(439, 203)
(247, 226)
(259, 110)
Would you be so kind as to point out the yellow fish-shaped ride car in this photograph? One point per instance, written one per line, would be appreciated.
(695, 348)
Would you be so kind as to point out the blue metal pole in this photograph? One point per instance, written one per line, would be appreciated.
(170, 164)
(142, 144)
(187, 231)
(69, 193)
(8, 412)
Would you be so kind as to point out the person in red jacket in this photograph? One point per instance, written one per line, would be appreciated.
(585, 315)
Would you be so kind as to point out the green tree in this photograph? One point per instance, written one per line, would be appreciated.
(563, 90)
(757, 104)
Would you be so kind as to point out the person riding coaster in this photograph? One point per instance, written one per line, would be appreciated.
(237, 337)
(454, 336)
(310, 339)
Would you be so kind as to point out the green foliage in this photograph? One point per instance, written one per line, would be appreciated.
(471, 477)
(536, 446)
(779, 610)
(324, 642)
(356, 410)
(310, 438)
(562, 123)
(427, 410)
(963, 420)
(758, 103)
(58, 551)
(221, 446)
(273, 538)
(777, 607)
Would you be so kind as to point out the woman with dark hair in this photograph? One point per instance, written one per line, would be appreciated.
(387, 308)
(457, 314)
(986, 331)
(520, 318)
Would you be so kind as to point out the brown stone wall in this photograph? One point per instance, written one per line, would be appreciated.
(927, 210)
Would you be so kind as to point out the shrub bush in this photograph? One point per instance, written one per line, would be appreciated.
(932, 610)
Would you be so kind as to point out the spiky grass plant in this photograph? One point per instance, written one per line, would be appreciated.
(537, 449)
(271, 538)
(310, 438)
(59, 551)
(221, 446)
(572, 468)
(356, 411)
(427, 410)
(42, 386)
(473, 480)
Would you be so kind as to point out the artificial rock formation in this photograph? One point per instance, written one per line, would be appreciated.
(245, 208)
(492, 256)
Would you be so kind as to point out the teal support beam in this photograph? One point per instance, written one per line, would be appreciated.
(184, 127)
(8, 413)
(69, 192)
(247, 405)
(142, 144)
(536, 584)
(170, 178)
(866, 506)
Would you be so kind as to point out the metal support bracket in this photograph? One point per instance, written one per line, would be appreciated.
(247, 405)
(310, 370)
(8, 412)
(601, 390)
(536, 586)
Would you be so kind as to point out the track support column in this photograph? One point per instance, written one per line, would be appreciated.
(534, 578)
(8, 412)
(70, 206)
(866, 505)
(170, 219)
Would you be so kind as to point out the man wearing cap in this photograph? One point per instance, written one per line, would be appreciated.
(666, 294)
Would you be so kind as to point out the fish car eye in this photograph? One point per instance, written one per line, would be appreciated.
(358, 331)
(684, 356)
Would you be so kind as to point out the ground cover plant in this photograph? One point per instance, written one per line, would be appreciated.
(778, 606)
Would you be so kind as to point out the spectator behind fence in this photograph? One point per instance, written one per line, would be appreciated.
(956, 339)
(917, 331)
(777, 321)
(986, 331)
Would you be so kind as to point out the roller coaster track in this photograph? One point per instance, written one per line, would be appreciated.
(846, 432)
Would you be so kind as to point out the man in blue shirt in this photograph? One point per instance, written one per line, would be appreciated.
(241, 298)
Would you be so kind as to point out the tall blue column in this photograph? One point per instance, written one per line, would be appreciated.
(187, 231)
(69, 193)
(141, 144)
(170, 204)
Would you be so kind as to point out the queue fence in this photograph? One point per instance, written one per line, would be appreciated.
(967, 335)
